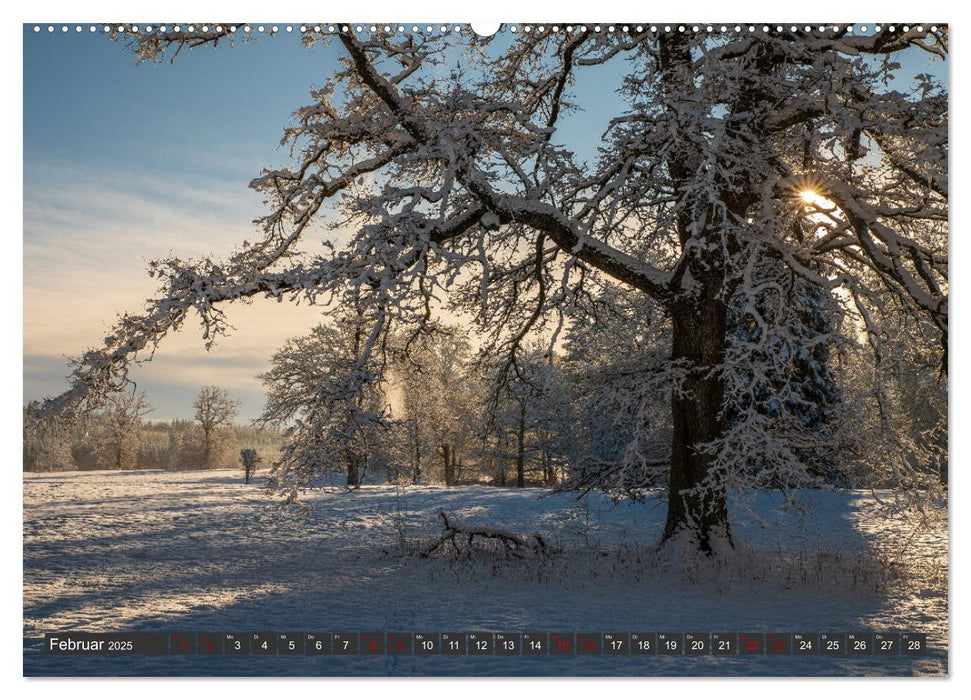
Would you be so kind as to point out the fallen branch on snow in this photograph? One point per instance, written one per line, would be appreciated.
(513, 544)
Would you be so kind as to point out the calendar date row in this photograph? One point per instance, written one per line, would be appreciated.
(489, 643)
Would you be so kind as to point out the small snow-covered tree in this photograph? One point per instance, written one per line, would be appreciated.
(215, 411)
(47, 442)
(118, 429)
(325, 391)
(250, 459)
(527, 419)
(437, 395)
(725, 150)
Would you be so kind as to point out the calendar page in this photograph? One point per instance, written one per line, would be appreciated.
(526, 349)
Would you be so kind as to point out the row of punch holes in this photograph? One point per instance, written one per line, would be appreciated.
(485, 30)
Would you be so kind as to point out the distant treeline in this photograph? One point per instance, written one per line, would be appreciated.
(164, 444)
(178, 444)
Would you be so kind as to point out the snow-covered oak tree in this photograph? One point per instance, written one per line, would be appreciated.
(459, 183)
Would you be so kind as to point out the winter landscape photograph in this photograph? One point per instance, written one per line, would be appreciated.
(570, 350)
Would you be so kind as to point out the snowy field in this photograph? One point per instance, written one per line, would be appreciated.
(197, 551)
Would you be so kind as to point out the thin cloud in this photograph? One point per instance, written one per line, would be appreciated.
(87, 240)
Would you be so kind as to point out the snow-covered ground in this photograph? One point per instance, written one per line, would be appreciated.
(113, 551)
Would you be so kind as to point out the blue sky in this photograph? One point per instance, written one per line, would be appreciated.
(124, 163)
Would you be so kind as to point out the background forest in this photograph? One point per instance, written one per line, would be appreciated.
(576, 418)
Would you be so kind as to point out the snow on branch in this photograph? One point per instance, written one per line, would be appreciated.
(455, 534)
(533, 212)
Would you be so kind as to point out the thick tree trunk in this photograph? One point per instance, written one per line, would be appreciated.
(695, 508)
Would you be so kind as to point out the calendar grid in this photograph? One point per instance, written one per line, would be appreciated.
(688, 644)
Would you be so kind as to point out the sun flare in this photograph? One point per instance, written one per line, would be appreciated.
(809, 196)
